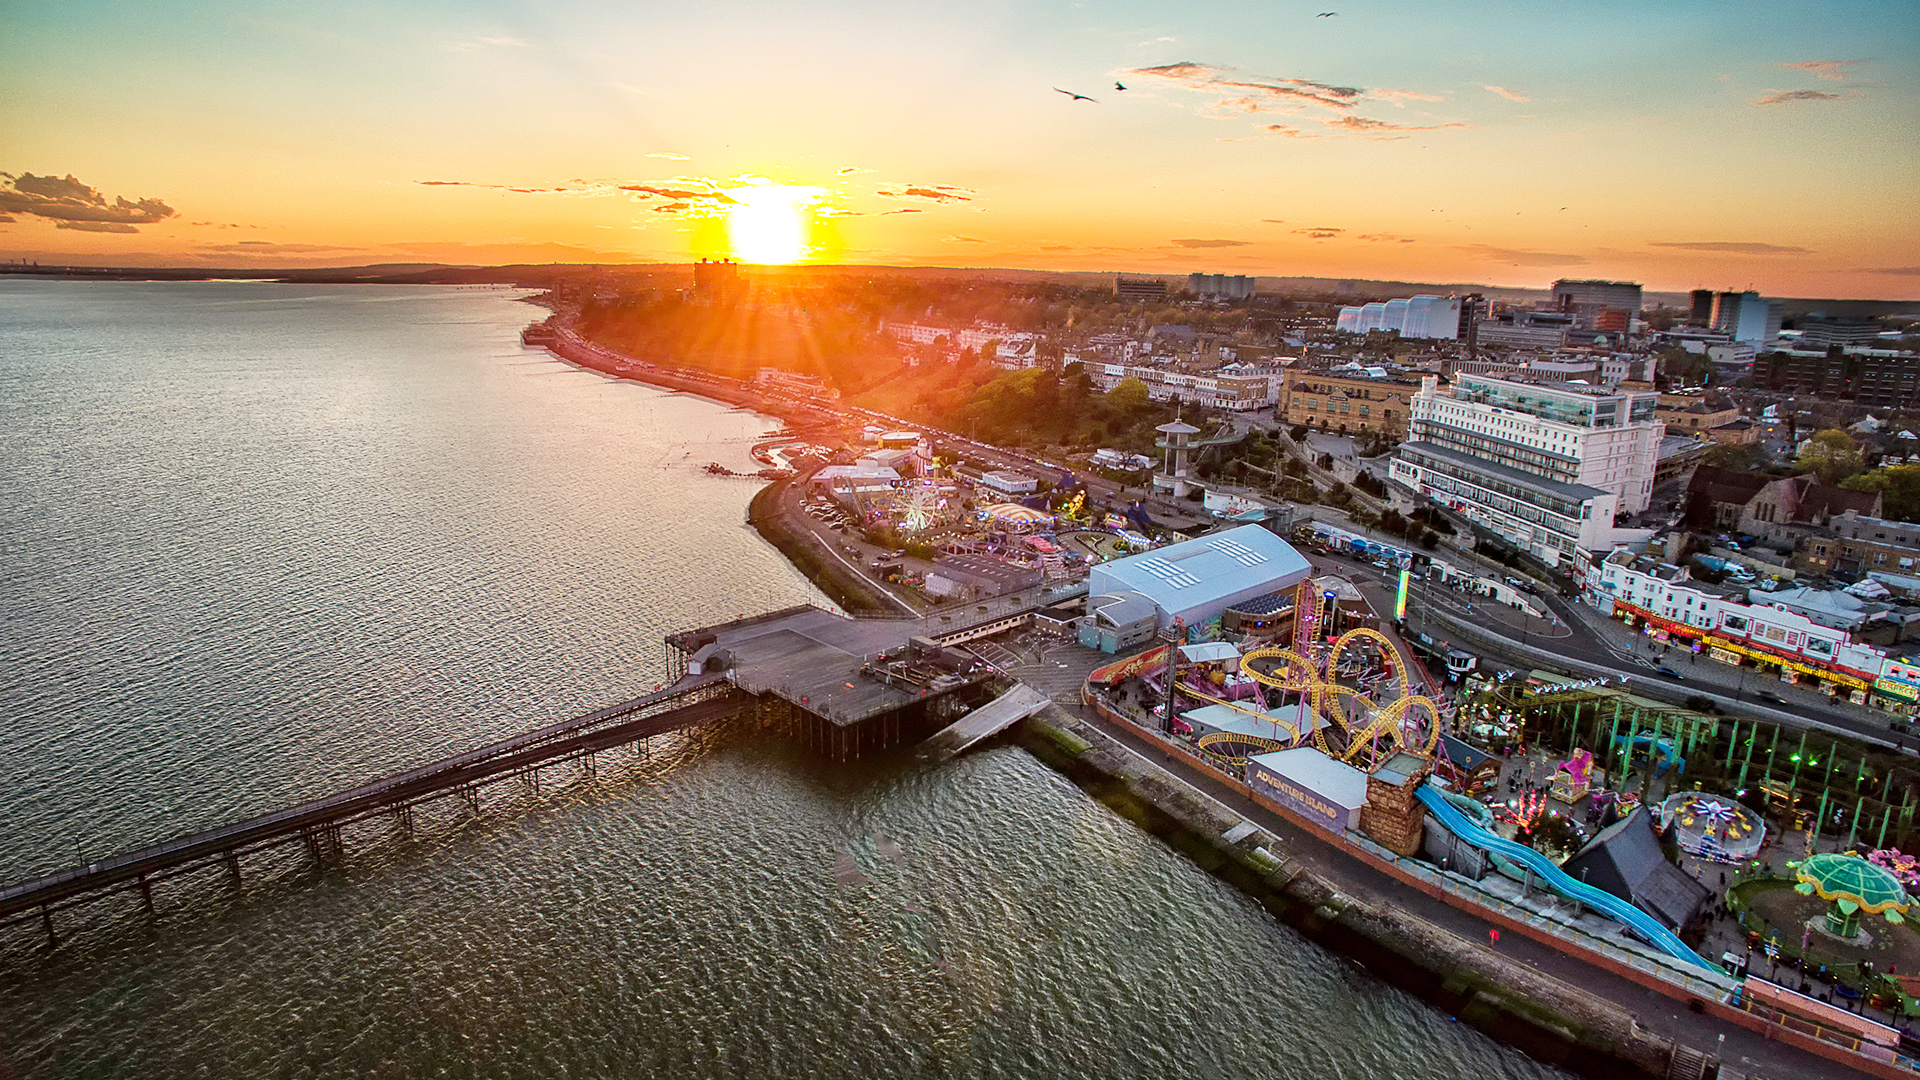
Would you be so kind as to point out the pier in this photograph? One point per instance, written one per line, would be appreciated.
(842, 687)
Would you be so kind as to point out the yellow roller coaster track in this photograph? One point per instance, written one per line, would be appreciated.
(1372, 731)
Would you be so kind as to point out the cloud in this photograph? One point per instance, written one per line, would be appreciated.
(1056, 247)
(496, 41)
(1522, 258)
(1321, 232)
(1281, 95)
(1735, 247)
(1782, 97)
(1388, 238)
(1370, 128)
(96, 226)
(1900, 271)
(71, 204)
(1210, 243)
(902, 210)
(965, 240)
(1505, 93)
(931, 193)
(1831, 70)
(670, 156)
(1274, 220)
(268, 247)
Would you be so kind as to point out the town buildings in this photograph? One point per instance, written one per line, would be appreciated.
(1779, 508)
(1747, 317)
(1237, 392)
(1545, 466)
(1606, 306)
(1195, 582)
(1795, 635)
(1221, 286)
(1358, 400)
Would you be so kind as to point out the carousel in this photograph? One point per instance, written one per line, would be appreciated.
(1713, 826)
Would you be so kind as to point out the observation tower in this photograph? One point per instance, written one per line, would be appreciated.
(1174, 444)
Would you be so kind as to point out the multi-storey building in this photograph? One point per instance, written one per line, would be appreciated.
(1607, 306)
(1801, 635)
(1857, 543)
(1696, 412)
(1750, 319)
(1127, 288)
(1820, 332)
(1240, 393)
(966, 337)
(1546, 466)
(1221, 286)
(1526, 329)
(1348, 403)
(1413, 317)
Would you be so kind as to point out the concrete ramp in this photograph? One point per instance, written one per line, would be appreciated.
(995, 716)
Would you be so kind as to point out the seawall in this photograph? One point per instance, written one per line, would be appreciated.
(1543, 1017)
(855, 594)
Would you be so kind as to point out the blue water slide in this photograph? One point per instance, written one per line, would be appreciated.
(1649, 929)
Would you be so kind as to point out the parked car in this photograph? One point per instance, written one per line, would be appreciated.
(1670, 673)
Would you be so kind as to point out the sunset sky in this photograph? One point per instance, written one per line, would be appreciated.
(1772, 145)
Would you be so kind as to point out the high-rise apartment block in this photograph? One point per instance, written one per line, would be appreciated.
(1750, 319)
(1545, 466)
(1606, 306)
(1413, 317)
(1221, 286)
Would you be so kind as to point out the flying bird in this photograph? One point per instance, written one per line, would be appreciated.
(1326, 15)
(1074, 96)
(1118, 86)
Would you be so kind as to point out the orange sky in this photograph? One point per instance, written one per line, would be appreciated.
(1770, 145)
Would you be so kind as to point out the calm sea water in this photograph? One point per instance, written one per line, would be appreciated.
(264, 541)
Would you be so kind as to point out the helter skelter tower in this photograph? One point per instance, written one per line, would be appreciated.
(1174, 444)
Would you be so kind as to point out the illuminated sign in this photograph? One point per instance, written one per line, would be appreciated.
(1896, 688)
(1400, 599)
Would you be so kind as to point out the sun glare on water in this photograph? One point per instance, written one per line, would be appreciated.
(770, 223)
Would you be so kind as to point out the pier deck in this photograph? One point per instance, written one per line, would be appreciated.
(695, 701)
(990, 719)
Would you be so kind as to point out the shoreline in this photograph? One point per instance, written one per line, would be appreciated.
(1549, 1018)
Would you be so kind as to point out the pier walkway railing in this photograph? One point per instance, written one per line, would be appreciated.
(317, 823)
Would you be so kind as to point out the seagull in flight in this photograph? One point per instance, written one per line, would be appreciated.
(1118, 86)
(1074, 96)
(1326, 15)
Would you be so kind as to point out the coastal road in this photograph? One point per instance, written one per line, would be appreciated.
(1437, 610)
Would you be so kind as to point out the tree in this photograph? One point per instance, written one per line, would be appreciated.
(1129, 397)
(1832, 454)
(1899, 488)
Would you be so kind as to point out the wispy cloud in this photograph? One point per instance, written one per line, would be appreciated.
(1323, 232)
(495, 41)
(1232, 96)
(1189, 243)
(669, 155)
(1370, 128)
(939, 193)
(1517, 257)
(1733, 247)
(1385, 238)
(1506, 93)
(1831, 70)
(1901, 271)
(268, 247)
(70, 204)
(965, 240)
(1782, 97)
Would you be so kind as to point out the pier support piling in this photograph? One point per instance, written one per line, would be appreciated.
(233, 867)
(146, 894)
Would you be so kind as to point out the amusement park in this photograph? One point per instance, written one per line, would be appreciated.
(1763, 867)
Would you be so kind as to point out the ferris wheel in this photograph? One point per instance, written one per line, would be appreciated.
(916, 507)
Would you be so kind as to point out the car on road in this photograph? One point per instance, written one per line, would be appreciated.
(1379, 564)
(1769, 697)
(1670, 673)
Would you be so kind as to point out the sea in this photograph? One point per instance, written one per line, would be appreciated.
(264, 541)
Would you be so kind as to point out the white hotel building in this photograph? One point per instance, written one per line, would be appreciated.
(1545, 466)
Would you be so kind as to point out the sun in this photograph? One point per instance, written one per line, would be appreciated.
(770, 223)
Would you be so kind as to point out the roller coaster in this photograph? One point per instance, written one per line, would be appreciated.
(1356, 724)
